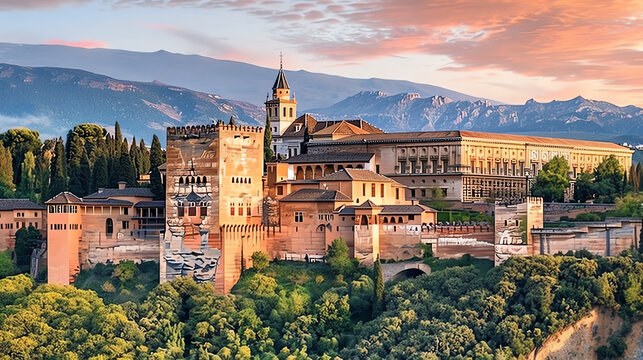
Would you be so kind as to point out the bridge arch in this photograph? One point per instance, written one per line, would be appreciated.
(404, 270)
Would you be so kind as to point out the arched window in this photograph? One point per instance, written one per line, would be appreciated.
(109, 227)
(399, 220)
(385, 220)
(284, 112)
(181, 180)
(393, 220)
(290, 112)
(204, 180)
(320, 228)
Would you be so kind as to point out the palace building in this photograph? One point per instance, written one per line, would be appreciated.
(335, 179)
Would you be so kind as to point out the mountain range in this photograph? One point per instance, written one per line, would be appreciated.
(576, 118)
(229, 79)
(53, 100)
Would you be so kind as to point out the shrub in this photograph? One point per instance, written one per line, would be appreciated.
(262, 285)
(588, 217)
(260, 260)
(7, 267)
(319, 279)
(108, 287)
(125, 271)
(338, 257)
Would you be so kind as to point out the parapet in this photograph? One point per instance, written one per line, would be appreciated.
(210, 129)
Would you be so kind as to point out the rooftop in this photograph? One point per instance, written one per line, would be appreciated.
(355, 175)
(64, 197)
(305, 195)
(19, 204)
(126, 192)
(457, 135)
(335, 157)
(404, 209)
(150, 204)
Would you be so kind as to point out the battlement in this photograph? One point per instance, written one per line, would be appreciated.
(210, 129)
(534, 200)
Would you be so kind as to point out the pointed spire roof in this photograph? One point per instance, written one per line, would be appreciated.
(280, 82)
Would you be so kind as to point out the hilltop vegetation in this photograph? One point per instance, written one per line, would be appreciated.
(311, 311)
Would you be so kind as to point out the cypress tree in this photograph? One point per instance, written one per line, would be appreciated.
(78, 167)
(268, 153)
(135, 155)
(232, 122)
(43, 170)
(145, 158)
(126, 171)
(59, 179)
(156, 159)
(304, 144)
(27, 186)
(100, 173)
(118, 136)
(378, 307)
(6, 172)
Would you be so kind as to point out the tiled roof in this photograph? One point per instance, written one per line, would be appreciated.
(110, 202)
(150, 204)
(457, 135)
(19, 204)
(315, 195)
(315, 127)
(342, 127)
(303, 122)
(127, 192)
(355, 175)
(300, 181)
(331, 157)
(368, 204)
(404, 209)
(64, 197)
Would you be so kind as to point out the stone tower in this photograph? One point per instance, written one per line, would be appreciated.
(281, 109)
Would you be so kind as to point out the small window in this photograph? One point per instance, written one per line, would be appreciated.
(126, 211)
(280, 190)
(204, 211)
(109, 227)
(382, 190)
(192, 211)
(248, 210)
(181, 211)
(364, 189)
(373, 190)
(125, 225)
(397, 194)
(231, 210)
(240, 210)
(299, 216)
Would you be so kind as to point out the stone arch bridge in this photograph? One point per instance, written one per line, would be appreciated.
(404, 270)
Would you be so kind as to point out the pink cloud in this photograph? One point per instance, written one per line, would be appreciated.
(87, 44)
(36, 4)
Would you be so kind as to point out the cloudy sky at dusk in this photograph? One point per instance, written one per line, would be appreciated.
(504, 50)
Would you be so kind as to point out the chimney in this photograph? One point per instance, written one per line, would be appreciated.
(100, 190)
(121, 185)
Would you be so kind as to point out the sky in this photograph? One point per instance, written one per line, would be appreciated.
(506, 50)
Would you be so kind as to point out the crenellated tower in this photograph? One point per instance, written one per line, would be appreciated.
(281, 110)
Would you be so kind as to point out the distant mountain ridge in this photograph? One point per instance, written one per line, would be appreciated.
(53, 100)
(411, 112)
(230, 79)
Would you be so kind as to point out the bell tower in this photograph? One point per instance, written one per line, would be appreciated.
(281, 110)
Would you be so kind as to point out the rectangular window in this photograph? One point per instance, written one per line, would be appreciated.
(126, 211)
(413, 167)
(181, 211)
(248, 210)
(35, 214)
(299, 216)
(397, 193)
(364, 189)
(382, 190)
(402, 167)
(192, 211)
(411, 217)
(377, 168)
(204, 211)
(231, 210)
(412, 192)
(240, 210)
(280, 190)
(423, 191)
(125, 224)
(373, 190)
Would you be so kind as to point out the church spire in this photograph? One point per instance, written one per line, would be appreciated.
(280, 82)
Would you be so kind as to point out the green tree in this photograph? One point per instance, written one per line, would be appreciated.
(552, 180)
(27, 187)
(338, 258)
(260, 260)
(7, 267)
(156, 160)
(306, 140)
(19, 142)
(232, 121)
(27, 239)
(59, 178)
(125, 271)
(79, 169)
(608, 179)
(378, 296)
(100, 173)
(43, 170)
(144, 165)
(268, 153)
(6, 173)
(126, 169)
(584, 187)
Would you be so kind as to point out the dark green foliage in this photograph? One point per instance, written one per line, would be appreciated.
(306, 140)
(260, 260)
(19, 142)
(608, 180)
(144, 164)
(142, 277)
(552, 180)
(27, 239)
(6, 172)
(338, 258)
(268, 153)
(587, 217)
(78, 167)
(126, 170)
(156, 159)
(378, 295)
(100, 173)
(584, 187)
(27, 187)
(59, 179)
(232, 121)
(125, 271)
(7, 266)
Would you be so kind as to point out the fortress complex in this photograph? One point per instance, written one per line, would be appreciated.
(352, 181)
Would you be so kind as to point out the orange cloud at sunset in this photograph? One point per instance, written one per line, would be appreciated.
(87, 44)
